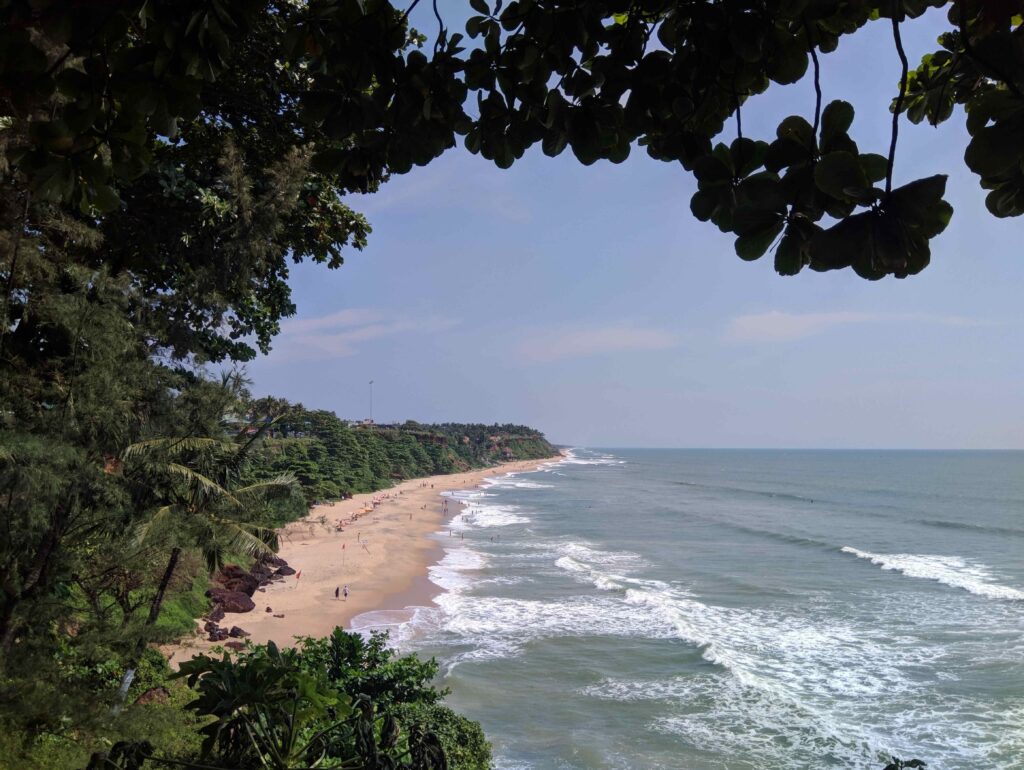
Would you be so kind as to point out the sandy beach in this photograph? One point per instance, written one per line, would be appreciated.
(382, 556)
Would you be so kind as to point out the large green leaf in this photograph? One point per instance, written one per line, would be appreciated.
(838, 171)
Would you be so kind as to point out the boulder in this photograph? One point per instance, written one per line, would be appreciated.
(262, 572)
(209, 625)
(231, 601)
(153, 695)
(285, 570)
(269, 610)
(218, 635)
(246, 585)
(238, 633)
(229, 571)
(216, 614)
(235, 578)
(236, 646)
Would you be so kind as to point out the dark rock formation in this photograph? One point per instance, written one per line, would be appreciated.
(235, 578)
(238, 633)
(231, 601)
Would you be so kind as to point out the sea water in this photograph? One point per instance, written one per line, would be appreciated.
(737, 609)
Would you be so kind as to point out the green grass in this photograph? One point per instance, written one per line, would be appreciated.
(178, 613)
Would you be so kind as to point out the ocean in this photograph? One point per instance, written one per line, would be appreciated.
(736, 610)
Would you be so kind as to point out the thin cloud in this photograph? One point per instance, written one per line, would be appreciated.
(470, 184)
(339, 334)
(338, 319)
(777, 326)
(545, 346)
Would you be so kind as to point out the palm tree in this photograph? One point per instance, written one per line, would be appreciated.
(200, 507)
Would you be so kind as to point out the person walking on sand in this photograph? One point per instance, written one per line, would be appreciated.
(344, 591)
(336, 592)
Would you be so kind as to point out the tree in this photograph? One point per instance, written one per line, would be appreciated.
(326, 703)
(125, 113)
(201, 508)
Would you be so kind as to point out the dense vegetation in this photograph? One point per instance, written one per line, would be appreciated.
(337, 702)
(331, 458)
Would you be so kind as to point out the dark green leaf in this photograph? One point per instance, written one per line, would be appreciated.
(754, 244)
(836, 119)
(838, 171)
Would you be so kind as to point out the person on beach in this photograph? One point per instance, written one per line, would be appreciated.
(345, 592)
(336, 592)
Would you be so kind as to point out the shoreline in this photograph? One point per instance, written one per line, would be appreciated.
(383, 556)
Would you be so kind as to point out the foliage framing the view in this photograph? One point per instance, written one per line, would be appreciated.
(102, 108)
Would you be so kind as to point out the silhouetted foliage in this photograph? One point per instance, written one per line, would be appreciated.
(190, 129)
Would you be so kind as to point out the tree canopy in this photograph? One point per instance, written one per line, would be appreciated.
(210, 139)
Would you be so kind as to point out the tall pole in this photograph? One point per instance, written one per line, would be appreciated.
(371, 400)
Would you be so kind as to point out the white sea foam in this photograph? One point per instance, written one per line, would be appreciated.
(512, 481)
(790, 687)
(786, 688)
(451, 572)
(952, 571)
(478, 515)
(516, 484)
(572, 458)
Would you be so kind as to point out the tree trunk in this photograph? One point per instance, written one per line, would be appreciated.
(154, 608)
(140, 646)
(7, 626)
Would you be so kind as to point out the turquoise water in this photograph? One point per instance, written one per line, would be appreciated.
(738, 609)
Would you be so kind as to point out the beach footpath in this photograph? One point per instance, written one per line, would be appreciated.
(378, 545)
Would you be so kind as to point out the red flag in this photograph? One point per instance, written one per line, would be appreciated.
(298, 574)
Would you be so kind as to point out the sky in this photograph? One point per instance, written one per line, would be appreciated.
(589, 303)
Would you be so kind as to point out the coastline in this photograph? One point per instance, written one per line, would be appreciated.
(383, 557)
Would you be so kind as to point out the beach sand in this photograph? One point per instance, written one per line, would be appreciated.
(384, 561)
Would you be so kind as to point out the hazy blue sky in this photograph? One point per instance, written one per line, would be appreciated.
(589, 303)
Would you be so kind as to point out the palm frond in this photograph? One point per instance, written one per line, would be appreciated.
(284, 482)
(160, 519)
(172, 446)
(200, 483)
(248, 539)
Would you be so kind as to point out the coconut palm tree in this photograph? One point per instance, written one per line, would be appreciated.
(201, 505)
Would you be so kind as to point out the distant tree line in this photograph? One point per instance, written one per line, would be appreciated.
(332, 458)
